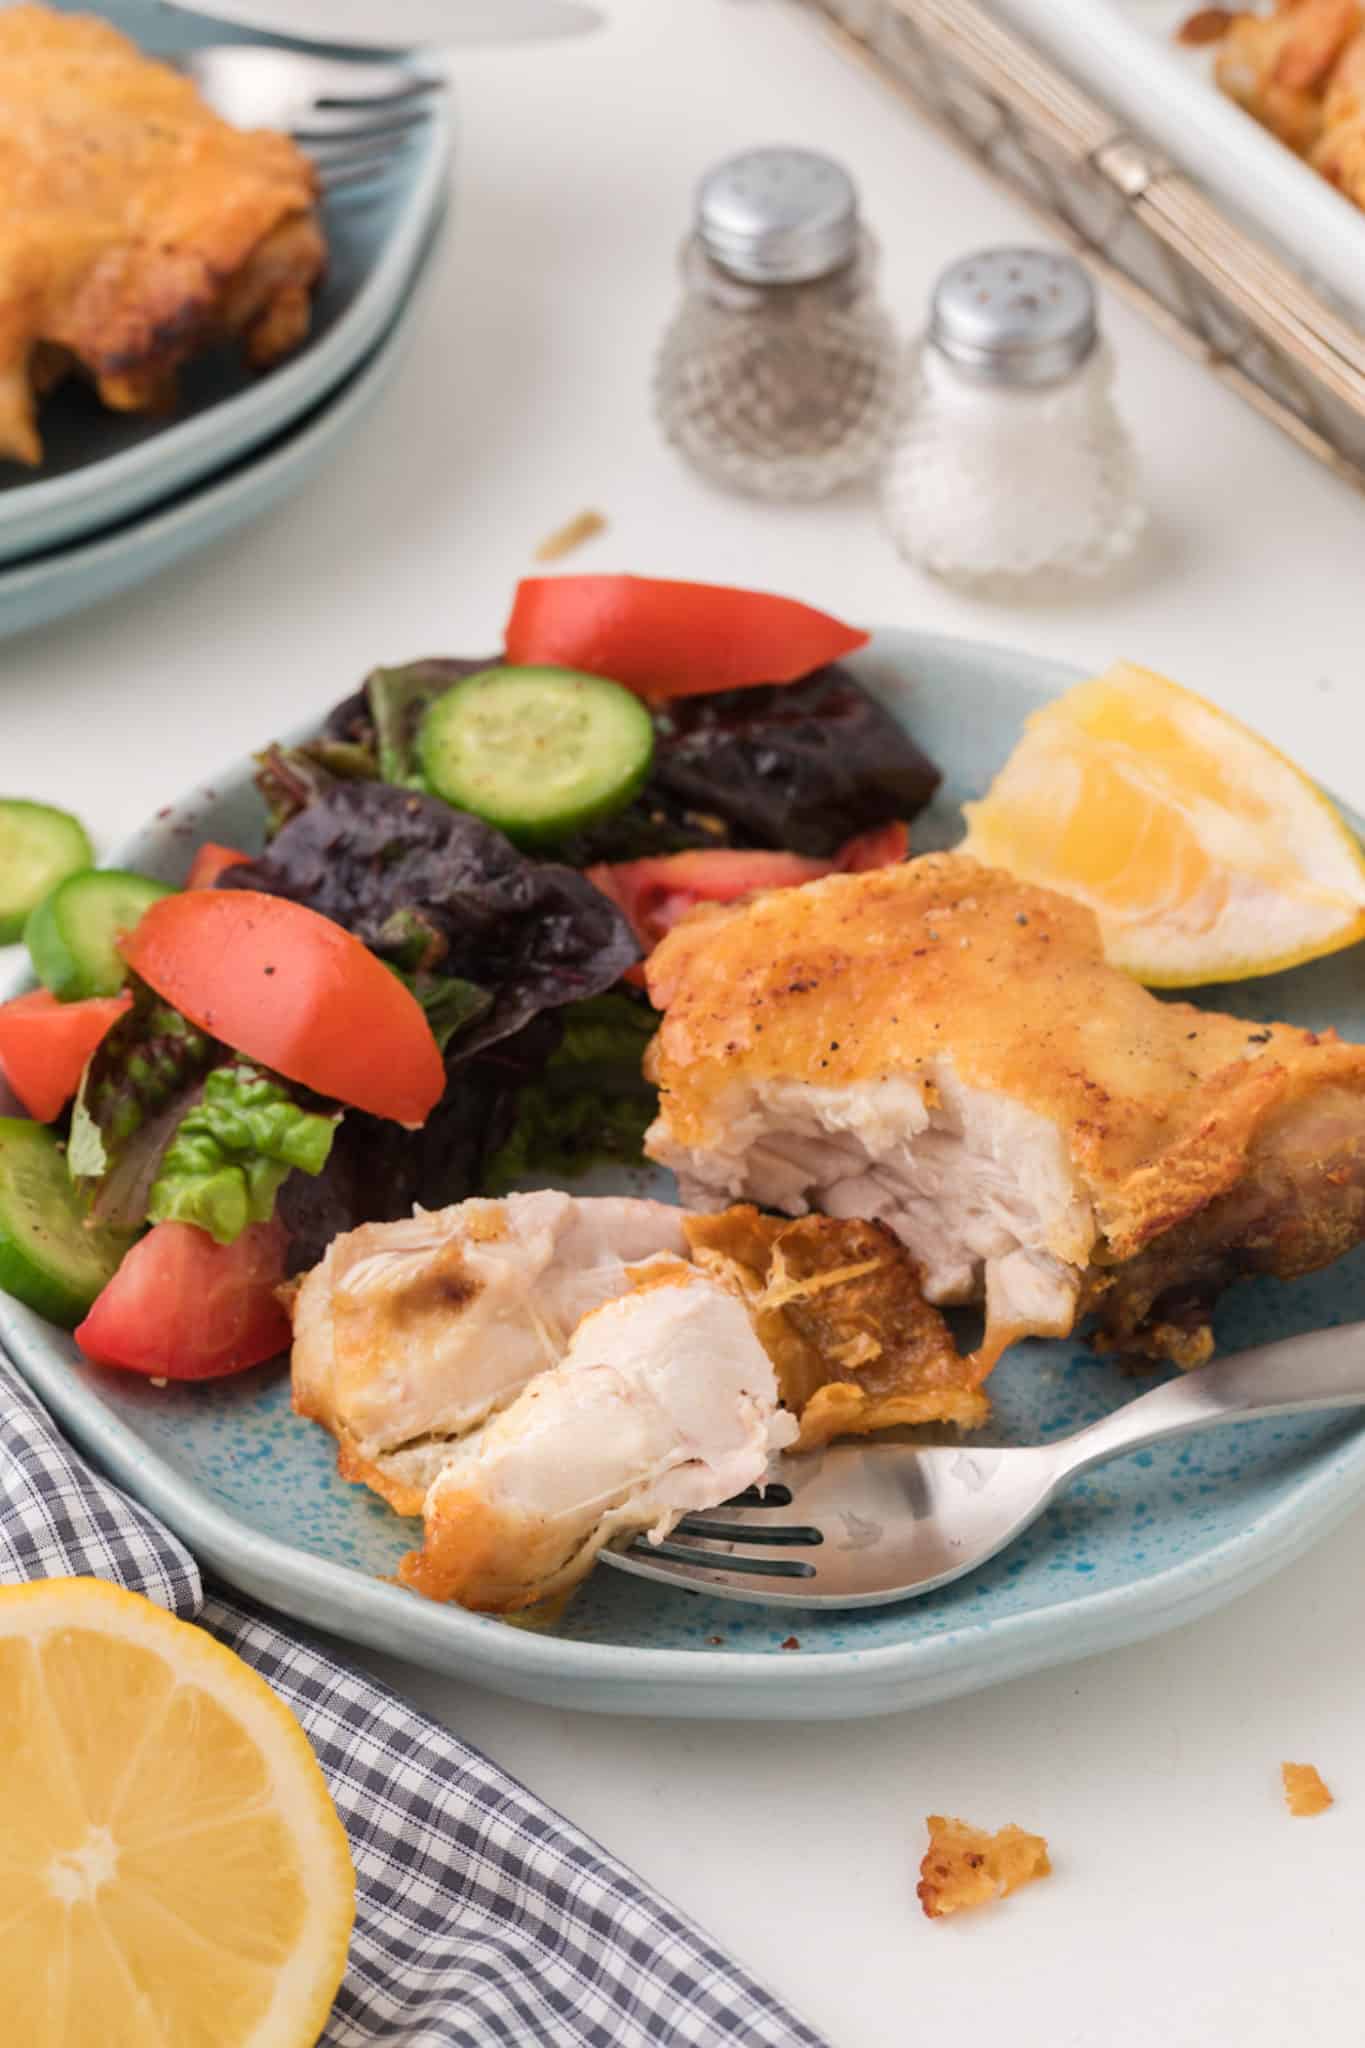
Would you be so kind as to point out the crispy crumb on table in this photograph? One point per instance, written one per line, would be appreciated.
(584, 526)
(966, 1866)
(1304, 1792)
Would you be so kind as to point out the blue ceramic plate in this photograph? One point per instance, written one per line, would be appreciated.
(49, 586)
(1149, 1542)
(101, 466)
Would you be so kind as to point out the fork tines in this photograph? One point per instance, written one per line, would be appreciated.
(740, 1537)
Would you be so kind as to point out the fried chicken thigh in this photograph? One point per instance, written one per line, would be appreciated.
(944, 1048)
(136, 228)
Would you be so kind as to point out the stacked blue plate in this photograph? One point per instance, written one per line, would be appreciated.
(120, 496)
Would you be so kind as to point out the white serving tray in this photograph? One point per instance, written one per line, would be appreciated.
(1123, 52)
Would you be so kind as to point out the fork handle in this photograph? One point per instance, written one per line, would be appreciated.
(1324, 1370)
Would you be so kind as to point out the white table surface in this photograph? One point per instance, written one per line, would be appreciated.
(1186, 1906)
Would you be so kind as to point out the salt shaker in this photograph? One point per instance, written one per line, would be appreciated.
(1011, 467)
(778, 374)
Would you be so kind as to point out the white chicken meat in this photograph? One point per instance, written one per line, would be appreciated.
(408, 1335)
(665, 1403)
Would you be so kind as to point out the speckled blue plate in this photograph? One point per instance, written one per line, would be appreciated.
(1151, 1541)
(100, 466)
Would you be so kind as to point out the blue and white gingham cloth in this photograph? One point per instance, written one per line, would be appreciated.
(483, 1919)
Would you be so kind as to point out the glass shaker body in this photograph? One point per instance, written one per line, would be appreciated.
(783, 387)
(1009, 474)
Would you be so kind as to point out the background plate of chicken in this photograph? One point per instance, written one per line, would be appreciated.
(1201, 1149)
(121, 381)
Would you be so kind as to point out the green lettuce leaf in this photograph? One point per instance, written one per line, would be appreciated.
(398, 699)
(409, 944)
(449, 1003)
(232, 1149)
(289, 778)
(591, 1105)
(141, 1078)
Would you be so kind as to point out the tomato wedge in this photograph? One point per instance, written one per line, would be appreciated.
(656, 894)
(882, 847)
(664, 639)
(291, 989)
(44, 1045)
(212, 860)
(182, 1307)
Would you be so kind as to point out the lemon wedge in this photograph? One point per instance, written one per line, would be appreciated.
(1204, 853)
(172, 1870)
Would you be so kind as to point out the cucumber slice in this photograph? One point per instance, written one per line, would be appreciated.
(73, 935)
(50, 1258)
(39, 847)
(536, 751)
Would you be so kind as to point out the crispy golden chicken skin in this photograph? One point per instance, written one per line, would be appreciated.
(136, 228)
(838, 1308)
(944, 1048)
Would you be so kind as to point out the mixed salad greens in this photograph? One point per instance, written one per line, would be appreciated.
(427, 985)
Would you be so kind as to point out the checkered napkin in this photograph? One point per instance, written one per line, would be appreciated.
(484, 1920)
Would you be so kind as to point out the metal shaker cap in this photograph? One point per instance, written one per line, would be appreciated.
(778, 216)
(1015, 316)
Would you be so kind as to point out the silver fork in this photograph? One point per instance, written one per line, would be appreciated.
(351, 118)
(861, 1524)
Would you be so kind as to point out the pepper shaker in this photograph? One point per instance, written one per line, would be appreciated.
(1011, 465)
(778, 374)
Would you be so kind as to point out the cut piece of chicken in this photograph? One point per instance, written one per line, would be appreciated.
(473, 1368)
(838, 1308)
(408, 1335)
(944, 1048)
(664, 1403)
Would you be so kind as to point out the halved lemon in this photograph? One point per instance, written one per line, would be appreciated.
(1205, 854)
(172, 1870)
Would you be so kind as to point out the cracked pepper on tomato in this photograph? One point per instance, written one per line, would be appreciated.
(422, 987)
